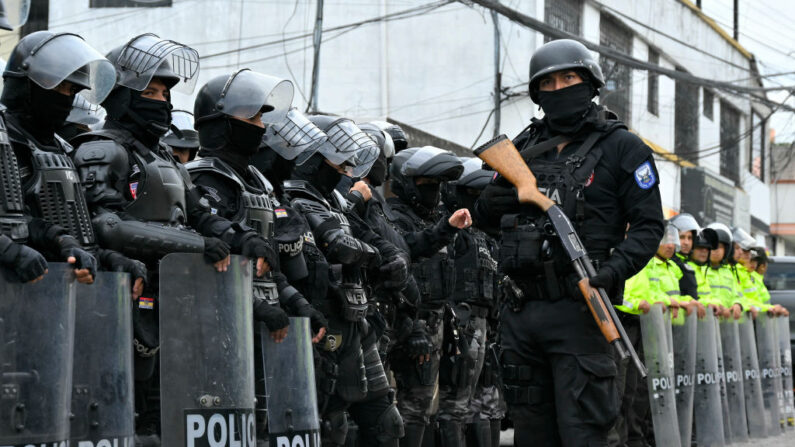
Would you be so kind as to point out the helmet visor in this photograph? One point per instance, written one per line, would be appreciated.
(83, 112)
(13, 13)
(294, 135)
(182, 119)
(47, 66)
(363, 161)
(345, 140)
(143, 58)
(671, 236)
(247, 92)
(685, 222)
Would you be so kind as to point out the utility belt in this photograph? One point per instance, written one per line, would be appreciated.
(265, 289)
(465, 311)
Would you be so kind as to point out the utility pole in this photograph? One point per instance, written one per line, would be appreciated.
(495, 17)
(316, 40)
(736, 20)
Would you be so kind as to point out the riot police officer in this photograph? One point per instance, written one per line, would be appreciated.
(229, 136)
(687, 226)
(605, 179)
(348, 351)
(473, 253)
(416, 175)
(142, 200)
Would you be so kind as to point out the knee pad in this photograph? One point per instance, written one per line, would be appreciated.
(390, 424)
(335, 428)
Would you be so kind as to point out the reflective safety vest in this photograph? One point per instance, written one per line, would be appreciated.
(763, 294)
(724, 285)
(749, 289)
(647, 285)
(705, 295)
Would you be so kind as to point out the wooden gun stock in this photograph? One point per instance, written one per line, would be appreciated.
(600, 313)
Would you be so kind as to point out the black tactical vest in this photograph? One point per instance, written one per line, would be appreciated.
(307, 200)
(56, 194)
(255, 210)
(475, 268)
(12, 202)
(160, 195)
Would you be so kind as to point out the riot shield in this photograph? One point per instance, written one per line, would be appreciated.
(724, 397)
(290, 387)
(684, 344)
(752, 386)
(707, 402)
(102, 390)
(206, 352)
(36, 341)
(785, 351)
(767, 350)
(733, 372)
(659, 361)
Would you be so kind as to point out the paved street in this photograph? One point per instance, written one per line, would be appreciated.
(785, 440)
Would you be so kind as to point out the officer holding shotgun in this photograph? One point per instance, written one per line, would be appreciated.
(559, 370)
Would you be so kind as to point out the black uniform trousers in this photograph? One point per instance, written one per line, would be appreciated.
(559, 374)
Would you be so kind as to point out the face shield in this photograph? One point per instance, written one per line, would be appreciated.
(248, 92)
(85, 113)
(345, 140)
(13, 13)
(148, 56)
(47, 66)
(685, 222)
(294, 135)
(363, 161)
(671, 236)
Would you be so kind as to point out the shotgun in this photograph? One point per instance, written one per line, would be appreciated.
(503, 157)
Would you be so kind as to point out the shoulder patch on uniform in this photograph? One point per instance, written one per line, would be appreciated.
(644, 176)
(280, 212)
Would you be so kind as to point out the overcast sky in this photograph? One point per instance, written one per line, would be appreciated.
(766, 30)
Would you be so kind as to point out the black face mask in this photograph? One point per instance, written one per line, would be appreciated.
(429, 195)
(243, 138)
(377, 174)
(326, 179)
(153, 116)
(565, 109)
(274, 166)
(48, 111)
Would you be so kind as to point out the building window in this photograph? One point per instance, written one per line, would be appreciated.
(38, 17)
(127, 3)
(729, 142)
(652, 103)
(709, 100)
(616, 92)
(686, 121)
(565, 15)
(756, 163)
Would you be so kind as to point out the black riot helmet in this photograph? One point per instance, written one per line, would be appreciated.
(724, 235)
(706, 238)
(347, 145)
(463, 192)
(378, 173)
(564, 54)
(428, 162)
(399, 139)
(182, 136)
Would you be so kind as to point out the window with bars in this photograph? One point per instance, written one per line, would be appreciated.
(565, 15)
(756, 163)
(616, 92)
(686, 120)
(128, 3)
(709, 101)
(729, 142)
(652, 103)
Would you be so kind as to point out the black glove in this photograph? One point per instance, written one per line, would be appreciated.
(83, 259)
(395, 273)
(417, 343)
(316, 318)
(605, 279)
(117, 262)
(25, 262)
(273, 317)
(257, 247)
(215, 249)
(497, 200)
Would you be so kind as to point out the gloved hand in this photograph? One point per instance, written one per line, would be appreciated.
(418, 344)
(605, 279)
(394, 273)
(274, 318)
(117, 262)
(498, 200)
(25, 262)
(215, 249)
(259, 249)
(85, 263)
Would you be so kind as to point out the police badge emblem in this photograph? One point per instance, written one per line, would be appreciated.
(644, 176)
